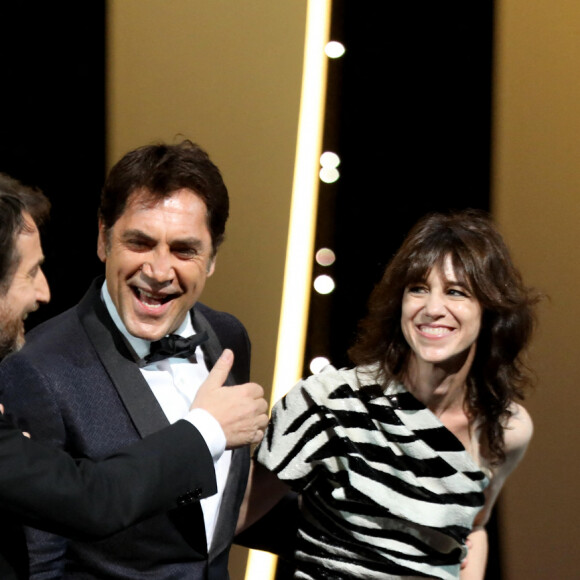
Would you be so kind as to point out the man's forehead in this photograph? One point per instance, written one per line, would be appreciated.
(146, 198)
(28, 247)
(30, 227)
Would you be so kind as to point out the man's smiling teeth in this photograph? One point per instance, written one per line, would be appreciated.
(435, 330)
(150, 300)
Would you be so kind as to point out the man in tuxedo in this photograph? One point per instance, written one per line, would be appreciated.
(44, 486)
(119, 365)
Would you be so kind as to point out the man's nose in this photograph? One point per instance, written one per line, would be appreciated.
(159, 266)
(42, 288)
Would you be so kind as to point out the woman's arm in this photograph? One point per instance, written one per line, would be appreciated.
(517, 435)
(477, 556)
(263, 492)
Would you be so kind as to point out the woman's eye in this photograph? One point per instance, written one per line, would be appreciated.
(416, 289)
(458, 292)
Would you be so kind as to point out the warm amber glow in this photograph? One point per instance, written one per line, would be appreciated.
(298, 269)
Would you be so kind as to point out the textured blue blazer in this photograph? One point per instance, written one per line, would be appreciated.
(75, 385)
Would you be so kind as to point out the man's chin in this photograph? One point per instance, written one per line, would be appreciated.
(149, 330)
(19, 343)
(11, 340)
(9, 348)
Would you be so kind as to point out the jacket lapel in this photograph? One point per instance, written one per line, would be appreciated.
(240, 461)
(139, 401)
(212, 348)
(231, 500)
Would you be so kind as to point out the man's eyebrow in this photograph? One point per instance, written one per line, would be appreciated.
(135, 233)
(190, 242)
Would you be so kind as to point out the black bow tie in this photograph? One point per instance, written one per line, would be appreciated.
(174, 346)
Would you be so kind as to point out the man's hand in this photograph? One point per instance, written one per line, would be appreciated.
(241, 410)
(25, 433)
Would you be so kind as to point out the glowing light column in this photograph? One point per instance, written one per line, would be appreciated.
(298, 269)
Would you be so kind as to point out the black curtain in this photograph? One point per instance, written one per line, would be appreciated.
(52, 107)
(409, 114)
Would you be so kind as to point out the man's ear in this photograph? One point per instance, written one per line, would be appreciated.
(211, 266)
(102, 242)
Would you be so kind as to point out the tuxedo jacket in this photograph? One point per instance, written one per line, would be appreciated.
(76, 385)
(45, 487)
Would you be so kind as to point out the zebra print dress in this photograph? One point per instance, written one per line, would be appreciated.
(387, 491)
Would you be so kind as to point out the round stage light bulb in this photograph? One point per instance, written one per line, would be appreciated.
(329, 159)
(334, 49)
(329, 174)
(318, 363)
(324, 284)
(325, 257)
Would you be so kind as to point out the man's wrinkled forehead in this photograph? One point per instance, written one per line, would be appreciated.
(144, 198)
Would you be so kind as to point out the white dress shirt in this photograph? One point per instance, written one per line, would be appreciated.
(175, 382)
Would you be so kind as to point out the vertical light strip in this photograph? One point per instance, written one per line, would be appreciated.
(298, 269)
(300, 250)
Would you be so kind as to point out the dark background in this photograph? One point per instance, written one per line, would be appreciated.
(408, 111)
(52, 63)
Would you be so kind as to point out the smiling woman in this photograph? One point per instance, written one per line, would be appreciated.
(400, 460)
(440, 317)
(469, 243)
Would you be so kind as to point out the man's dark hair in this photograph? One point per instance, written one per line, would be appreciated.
(159, 170)
(15, 199)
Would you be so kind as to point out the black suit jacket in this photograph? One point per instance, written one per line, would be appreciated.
(45, 487)
(75, 385)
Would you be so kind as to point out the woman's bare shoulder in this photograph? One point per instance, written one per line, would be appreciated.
(517, 435)
(519, 429)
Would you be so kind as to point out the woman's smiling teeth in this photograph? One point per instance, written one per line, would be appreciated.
(435, 330)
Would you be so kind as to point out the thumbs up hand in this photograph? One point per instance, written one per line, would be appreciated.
(241, 410)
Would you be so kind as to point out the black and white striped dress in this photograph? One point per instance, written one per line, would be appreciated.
(387, 491)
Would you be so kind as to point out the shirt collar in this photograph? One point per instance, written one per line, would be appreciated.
(139, 345)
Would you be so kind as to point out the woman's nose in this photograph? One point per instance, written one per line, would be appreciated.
(435, 305)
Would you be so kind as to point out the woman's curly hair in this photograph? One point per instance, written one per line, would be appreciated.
(481, 261)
